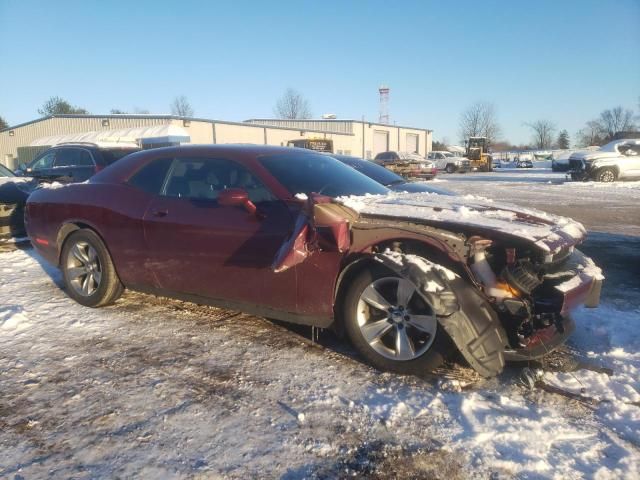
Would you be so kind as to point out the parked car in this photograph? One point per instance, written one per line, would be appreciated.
(617, 160)
(387, 178)
(561, 162)
(66, 163)
(298, 236)
(448, 162)
(13, 195)
(408, 165)
(75, 162)
(524, 164)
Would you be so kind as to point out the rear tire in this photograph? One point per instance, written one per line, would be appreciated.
(607, 175)
(397, 336)
(89, 275)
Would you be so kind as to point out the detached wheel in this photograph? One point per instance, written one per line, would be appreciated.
(89, 275)
(391, 326)
(606, 175)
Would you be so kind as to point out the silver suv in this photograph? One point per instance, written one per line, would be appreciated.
(617, 160)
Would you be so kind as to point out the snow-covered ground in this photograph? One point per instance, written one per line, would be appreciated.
(155, 388)
(160, 389)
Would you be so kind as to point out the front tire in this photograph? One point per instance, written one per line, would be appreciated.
(89, 275)
(607, 175)
(391, 326)
(450, 168)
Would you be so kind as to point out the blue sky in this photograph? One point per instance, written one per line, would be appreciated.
(559, 60)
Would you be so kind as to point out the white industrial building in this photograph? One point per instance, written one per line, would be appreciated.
(21, 143)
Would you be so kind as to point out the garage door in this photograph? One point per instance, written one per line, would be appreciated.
(380, 141)
(412, 143)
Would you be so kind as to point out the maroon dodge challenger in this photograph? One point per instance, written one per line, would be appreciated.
(294, 235)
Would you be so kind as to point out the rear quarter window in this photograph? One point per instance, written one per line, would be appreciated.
(150, 178)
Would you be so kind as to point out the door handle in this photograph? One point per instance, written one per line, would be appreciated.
(160, 213)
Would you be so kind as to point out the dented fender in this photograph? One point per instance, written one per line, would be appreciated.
(463, 313)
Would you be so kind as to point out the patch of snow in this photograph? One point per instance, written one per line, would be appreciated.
(145, 389)
(533, 225)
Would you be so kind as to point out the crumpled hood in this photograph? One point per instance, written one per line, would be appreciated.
(548, 232)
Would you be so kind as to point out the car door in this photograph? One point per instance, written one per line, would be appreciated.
(74, 164)
(42, 166)
(631, 162)
(197, 246)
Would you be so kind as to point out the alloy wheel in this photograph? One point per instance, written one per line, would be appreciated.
(394, 321)
(84, 270)
(607, 176)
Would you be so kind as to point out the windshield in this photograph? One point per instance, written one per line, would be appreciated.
(315, 173)
(5, 172)
(372, 170)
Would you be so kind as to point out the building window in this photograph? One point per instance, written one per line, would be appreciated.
(105, 122)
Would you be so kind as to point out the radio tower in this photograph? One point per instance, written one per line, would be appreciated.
(384, 104)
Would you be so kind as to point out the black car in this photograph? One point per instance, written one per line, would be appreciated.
(387, 178)
(74, 162)
(65, 163)
(13, 195)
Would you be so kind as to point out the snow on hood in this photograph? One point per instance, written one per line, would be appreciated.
(548, 232)
(610, 150)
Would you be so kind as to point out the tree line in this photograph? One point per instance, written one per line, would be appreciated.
(480, 120)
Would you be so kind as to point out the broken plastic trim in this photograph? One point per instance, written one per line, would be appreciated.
(461, 311)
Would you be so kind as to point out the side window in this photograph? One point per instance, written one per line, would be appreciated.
(46, 161)
(73, 157)
(205, 178)
(150, 178)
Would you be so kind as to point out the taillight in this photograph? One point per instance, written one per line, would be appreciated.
(98, 168)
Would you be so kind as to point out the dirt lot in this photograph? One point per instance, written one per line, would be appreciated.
(161, 389)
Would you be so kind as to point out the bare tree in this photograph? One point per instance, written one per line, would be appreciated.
(615, 120)
(480, 120)
(292, 105)
(59, 106)
(543, 131)
(590, 134)
(3, 124)
(181, 107)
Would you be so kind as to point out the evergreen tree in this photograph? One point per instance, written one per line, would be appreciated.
(563, 140)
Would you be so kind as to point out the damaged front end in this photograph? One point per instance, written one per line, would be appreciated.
(533, 291)
(508, 299)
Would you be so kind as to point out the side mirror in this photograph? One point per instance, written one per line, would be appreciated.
(236, 197)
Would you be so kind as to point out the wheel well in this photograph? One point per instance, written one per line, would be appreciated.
(66, 230)
(357, 264)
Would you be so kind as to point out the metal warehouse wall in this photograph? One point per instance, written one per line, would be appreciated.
(350, 137)
(24, 134)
